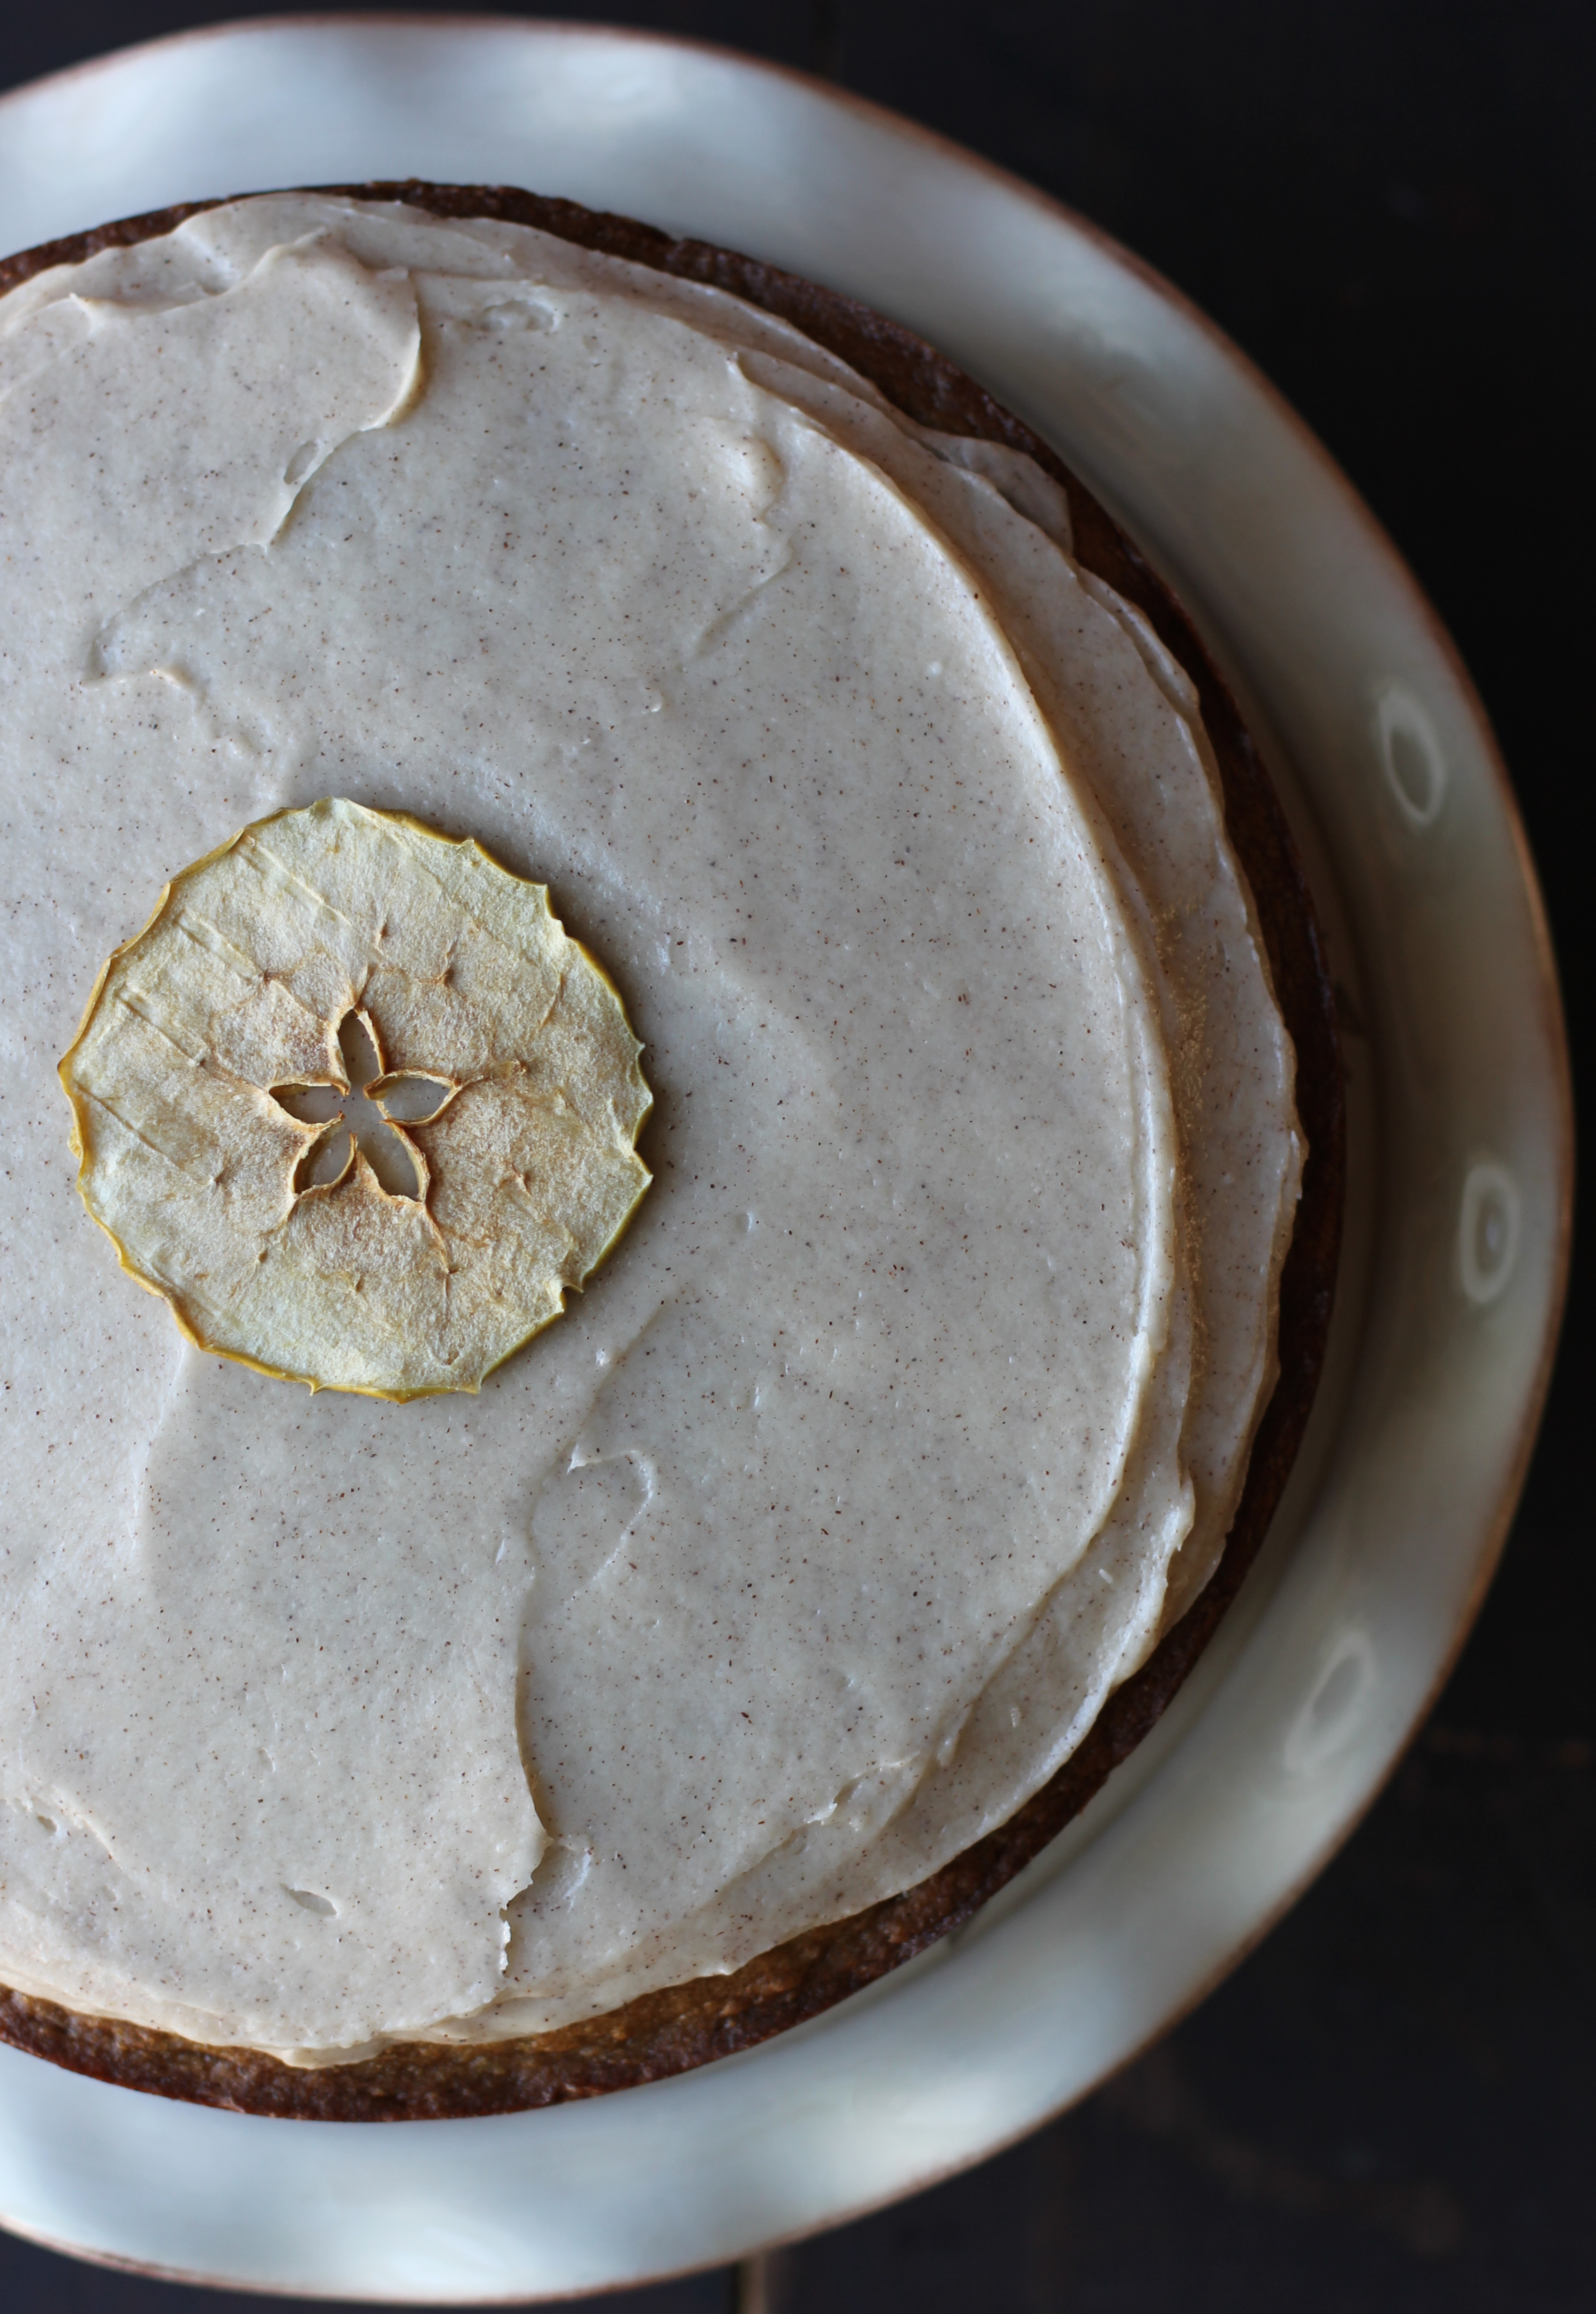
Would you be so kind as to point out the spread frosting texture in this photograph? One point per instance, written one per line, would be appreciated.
(811, 1539)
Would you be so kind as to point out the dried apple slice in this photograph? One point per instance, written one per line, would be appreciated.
(356, 1106)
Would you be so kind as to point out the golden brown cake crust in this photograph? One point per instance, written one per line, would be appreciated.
(691, 2024)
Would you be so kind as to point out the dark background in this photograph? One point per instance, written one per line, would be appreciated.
(1390, 203)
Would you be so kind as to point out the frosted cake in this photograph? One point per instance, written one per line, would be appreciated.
(472, 1730)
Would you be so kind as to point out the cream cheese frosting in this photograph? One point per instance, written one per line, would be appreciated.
(810, 1542)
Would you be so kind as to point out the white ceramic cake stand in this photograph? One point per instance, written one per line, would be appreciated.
(1462, 1176)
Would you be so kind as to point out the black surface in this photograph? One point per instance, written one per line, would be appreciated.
(1390, 206)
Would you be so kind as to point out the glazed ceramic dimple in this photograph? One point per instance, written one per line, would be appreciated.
(1458, 1221)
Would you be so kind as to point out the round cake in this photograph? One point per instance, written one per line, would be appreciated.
(546, 761)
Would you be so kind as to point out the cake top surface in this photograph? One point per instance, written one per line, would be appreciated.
(810, 1541)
